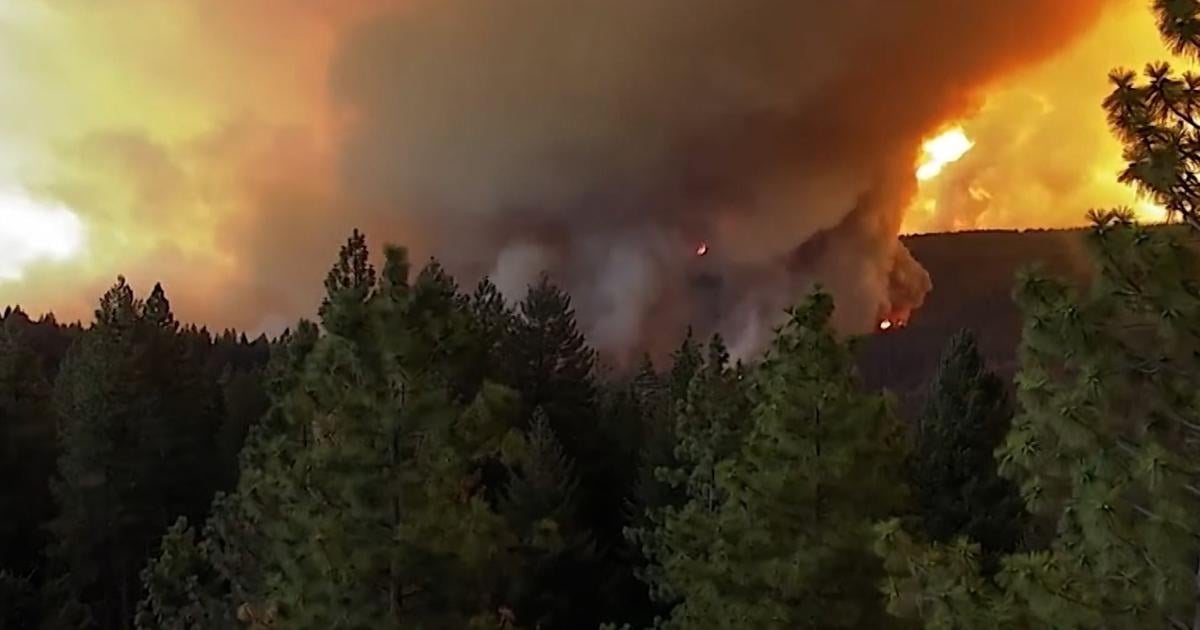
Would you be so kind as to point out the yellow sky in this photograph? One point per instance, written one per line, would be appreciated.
(173, 130)
(1042, 153)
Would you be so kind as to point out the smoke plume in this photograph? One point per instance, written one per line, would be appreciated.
(597, 140)
(602, 140)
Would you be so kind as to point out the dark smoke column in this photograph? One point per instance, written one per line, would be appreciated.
(601, 140)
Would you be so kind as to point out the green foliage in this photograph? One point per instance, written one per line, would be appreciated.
(359, 505)
(1105, 445)
(1158, 119)
(1104, 450)
(99, 527)
(491, 326)
(776, 529)
(553, 543)
(138, 417)
(182, 592)
(552, 366)
(955, 480)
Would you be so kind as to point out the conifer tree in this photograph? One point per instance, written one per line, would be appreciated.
(552, 368)
(491, 324)
(663, 400)
(99, 531)
(27, 450)
(244, 401)
(657, 442)
(1104, 447)
(551, 365)
(685, 361)
(181, 591)
(777, 535)
(957, 488)
(554, 545)
(358, 504)
(1158, 119)
(137, 421)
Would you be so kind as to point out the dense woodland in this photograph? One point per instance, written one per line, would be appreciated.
(431, 456)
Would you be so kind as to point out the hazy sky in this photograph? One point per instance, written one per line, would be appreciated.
(227, 147)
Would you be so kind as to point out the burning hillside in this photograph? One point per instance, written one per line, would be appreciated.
(781, 141)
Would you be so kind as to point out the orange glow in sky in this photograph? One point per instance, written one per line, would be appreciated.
(943, 149)
(1040, 152)
(167, 139)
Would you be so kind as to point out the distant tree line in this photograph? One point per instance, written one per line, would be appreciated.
(424, 456)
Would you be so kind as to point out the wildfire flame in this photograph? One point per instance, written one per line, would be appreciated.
(944, 149)
(885, 325)
(702, 249)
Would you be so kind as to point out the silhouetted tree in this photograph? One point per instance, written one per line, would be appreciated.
(955, 481)
(1158, 120)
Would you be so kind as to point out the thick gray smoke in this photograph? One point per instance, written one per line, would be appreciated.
(603, 140)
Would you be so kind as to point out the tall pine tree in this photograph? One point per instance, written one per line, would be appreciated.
(777, 535)
(1104, 449)
(359, 505)
(958, 490)
(137, 418)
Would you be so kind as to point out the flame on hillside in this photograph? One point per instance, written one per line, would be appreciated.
(946, 148)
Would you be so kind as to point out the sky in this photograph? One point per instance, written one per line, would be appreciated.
(226, 148)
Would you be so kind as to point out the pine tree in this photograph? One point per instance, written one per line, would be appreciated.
(551, 365)
(1104, 449)
(657, 441)
(540, 503)
(244, 401)
(955, 481)
(27, 450)
(180, 413)
(552, 368)
(685, 361)
(182, 592)
(491, 324)
(137, 421)
(663, 399)
(99, 530)
(358, 504)
(777, 534)
(347, 287)
(1158, 120)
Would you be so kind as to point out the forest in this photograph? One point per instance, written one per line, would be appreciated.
(426, 455)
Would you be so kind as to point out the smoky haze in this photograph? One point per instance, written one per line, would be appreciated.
(602, 140)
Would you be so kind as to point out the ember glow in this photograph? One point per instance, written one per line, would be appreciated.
(702, 249)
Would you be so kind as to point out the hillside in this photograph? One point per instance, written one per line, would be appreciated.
(973, 278)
